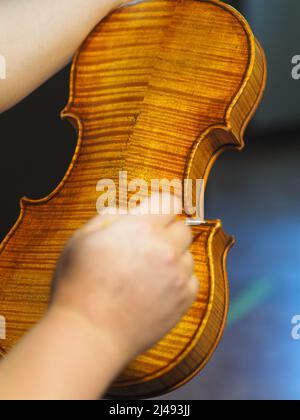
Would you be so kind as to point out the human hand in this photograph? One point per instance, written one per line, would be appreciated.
(132, 279)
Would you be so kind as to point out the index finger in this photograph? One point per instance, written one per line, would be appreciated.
(160, 209)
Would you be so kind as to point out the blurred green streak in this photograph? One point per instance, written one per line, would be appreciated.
(249, 300)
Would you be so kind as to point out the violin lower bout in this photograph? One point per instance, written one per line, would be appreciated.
(189, 346)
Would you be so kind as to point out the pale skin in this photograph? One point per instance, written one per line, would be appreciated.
(39, 37)
(102, 314)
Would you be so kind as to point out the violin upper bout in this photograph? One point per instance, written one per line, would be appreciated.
(230, 135)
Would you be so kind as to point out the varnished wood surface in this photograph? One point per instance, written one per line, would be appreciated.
(158, 89)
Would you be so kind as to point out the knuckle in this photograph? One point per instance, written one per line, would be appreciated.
(143, 226)
(153, 247)
(193, 288)
(164, 250)
(181, 281)
(168, 253)
(190, 262)
(189, 293)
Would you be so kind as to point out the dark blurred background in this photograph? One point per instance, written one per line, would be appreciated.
(256, 193)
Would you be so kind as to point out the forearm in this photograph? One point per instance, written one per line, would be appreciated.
(39, 37)
(63, 358)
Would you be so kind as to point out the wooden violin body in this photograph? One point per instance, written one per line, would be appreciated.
(158, 89)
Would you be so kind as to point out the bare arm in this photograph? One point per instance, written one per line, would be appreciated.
(62, 358)
(39, 37)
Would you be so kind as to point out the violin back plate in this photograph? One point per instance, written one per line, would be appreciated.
(159, 89)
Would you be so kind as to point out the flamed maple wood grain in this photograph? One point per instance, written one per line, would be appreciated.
(159, 90)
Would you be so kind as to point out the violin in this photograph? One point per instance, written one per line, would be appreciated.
(159, 89)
